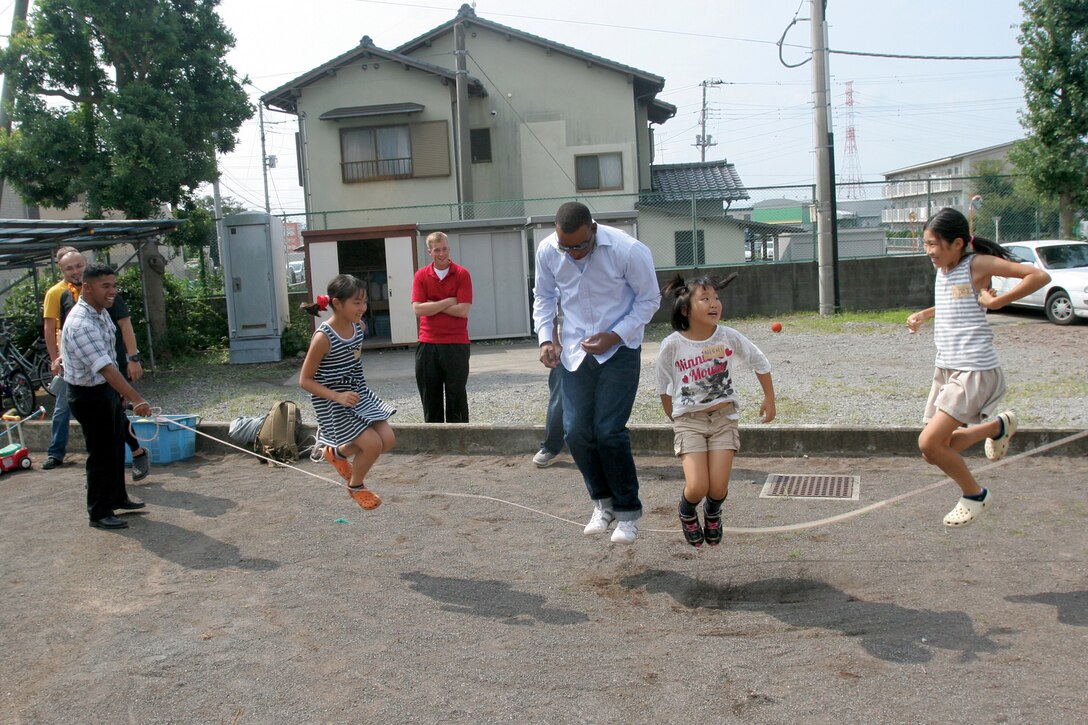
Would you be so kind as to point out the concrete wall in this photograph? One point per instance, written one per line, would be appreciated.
(646, 440)
(864, 284)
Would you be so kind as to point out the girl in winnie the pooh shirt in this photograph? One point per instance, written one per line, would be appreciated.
(694, 379)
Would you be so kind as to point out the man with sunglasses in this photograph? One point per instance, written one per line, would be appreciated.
(605, 281)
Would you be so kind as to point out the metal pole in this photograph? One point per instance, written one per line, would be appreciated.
(824, 189)
(264, 160)
(702, 126)
(464, 160)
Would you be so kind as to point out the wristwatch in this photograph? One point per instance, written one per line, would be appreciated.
(135, 357)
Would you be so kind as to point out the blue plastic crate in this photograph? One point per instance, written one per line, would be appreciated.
(382, 327)
(173, 443)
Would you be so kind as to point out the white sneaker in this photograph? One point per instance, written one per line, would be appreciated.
(598, 523)
(625, 532)
(544, 458)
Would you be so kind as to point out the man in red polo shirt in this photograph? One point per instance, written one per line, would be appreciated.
(441, 299)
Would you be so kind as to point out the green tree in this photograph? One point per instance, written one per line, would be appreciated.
(122, 104)
(1054, 63)
(1006, 214)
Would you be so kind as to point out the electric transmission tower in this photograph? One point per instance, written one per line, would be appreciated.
(703, 139)
(850, 186)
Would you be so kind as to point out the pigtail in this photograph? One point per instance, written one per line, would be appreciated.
(986, 246)
(675, 287)
(314, 308)
(720, 284)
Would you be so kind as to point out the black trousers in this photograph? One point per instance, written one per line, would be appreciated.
(98, 410)
(441, 376)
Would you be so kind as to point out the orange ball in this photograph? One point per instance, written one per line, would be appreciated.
(776, 327)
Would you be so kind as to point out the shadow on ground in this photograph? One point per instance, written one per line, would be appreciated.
(490, 598)
(888, 631)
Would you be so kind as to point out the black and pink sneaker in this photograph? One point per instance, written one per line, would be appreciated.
(712, 528)
(692, 533)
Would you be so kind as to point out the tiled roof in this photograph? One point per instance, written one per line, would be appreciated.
(710, 180)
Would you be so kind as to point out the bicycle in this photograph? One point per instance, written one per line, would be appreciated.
(16, 386)
(35, 360)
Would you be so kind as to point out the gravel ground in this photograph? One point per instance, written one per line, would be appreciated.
(862, 373)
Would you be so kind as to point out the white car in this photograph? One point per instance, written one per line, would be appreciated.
(1066, 297)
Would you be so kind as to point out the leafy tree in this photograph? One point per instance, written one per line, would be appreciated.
(122, 104)
(1006, 214)
(1054, 62)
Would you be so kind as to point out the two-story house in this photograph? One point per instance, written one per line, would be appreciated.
(380, 140)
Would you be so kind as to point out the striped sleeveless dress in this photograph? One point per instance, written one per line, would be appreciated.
(342, 370)
(964, 339)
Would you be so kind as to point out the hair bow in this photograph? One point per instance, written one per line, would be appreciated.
(322, 302)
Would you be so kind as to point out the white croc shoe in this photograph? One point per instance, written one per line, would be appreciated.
(996, 448)
(966, 511)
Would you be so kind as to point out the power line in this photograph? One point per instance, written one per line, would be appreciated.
(924, 57)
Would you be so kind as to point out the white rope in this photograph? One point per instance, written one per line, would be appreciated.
(805, 525)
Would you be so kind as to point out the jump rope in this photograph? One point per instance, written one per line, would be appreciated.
(735, 530)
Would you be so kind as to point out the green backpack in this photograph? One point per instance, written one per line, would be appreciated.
(278, 437)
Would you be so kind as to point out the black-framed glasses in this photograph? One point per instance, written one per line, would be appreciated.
(587, 244)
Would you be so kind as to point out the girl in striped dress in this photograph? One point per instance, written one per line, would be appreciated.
(968, 383)
(353, 423)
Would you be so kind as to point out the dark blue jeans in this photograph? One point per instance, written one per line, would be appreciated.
(62, 417)
(553, 423)
(597, 401)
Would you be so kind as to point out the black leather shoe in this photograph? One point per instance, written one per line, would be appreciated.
(50, 464)
(130, 505)
(109, 522)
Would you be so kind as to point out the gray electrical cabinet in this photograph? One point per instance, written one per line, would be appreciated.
(254, 264)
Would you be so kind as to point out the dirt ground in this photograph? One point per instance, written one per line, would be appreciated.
(253, 595)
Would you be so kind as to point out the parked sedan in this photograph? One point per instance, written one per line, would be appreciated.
(1066, 297)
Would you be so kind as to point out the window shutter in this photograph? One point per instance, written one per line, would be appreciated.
(430, 149)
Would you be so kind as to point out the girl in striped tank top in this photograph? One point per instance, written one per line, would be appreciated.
(353, 423)
(968, 383)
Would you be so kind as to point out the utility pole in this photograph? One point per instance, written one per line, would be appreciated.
(464, 156)
(264, 159)
(702, 140)
(7, 96)
(825, 172)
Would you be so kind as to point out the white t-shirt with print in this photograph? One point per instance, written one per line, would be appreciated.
(698, 374)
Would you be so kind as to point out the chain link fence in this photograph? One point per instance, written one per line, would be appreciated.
(754, 225)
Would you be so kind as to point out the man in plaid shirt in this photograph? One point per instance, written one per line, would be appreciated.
(96, 389)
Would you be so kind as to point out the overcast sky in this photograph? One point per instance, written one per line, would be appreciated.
(905, 111)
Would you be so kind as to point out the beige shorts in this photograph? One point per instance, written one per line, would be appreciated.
(706, 431)
(969, 396)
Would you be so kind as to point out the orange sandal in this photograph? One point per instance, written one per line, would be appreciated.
(365, 497)
(341, 464)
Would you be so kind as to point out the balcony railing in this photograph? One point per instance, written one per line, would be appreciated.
(903, 216)
(917, 187)
(379, 170)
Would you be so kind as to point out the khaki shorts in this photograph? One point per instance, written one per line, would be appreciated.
(969, 396)
(706, 431)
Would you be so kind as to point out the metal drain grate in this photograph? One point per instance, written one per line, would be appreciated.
(789, 485)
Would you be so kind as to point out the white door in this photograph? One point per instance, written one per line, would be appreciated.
(398, 267)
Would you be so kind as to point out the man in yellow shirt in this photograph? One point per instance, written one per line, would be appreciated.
(71, 264)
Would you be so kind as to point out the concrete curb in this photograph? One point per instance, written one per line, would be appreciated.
(447, 438)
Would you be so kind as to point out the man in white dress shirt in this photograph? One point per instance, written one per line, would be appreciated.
(605, 281)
